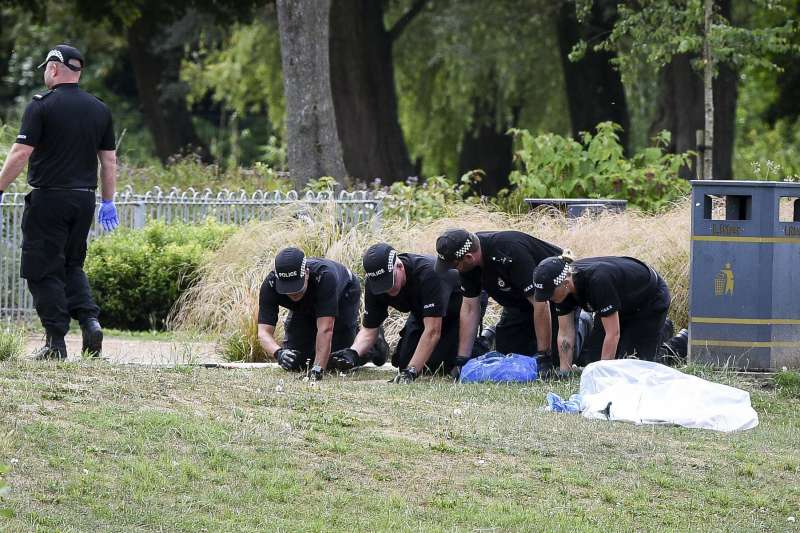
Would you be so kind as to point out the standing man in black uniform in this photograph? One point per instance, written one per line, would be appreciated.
(63, 133)
(502, 263)
(409, 283)
(630, 301)
(323, 298)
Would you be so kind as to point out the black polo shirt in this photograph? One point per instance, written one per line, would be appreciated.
(425, 294)
(66, 127)
(608, 285)
(328, 281)
(509, 258)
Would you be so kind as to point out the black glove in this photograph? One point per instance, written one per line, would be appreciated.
(480, 346)
(345, 359)
(315, 374)
(460, 361)
(405, 376)
(288, 359)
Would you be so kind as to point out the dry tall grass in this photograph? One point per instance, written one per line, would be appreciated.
(225, 300)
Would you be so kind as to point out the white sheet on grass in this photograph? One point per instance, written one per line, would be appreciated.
(643, 392)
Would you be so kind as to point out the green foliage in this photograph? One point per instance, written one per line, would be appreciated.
(241, 70)
(653, 31)
(189, 171)
(137, 275)
(426, 201)
(12, 343)
(462, 64)
(764, 151)
(554, 166)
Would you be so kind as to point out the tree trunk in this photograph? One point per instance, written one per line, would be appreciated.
(681, 110)
(313, 146)
(708, 94)
(165, 112)
(594, 88)
(487, 147)
(6, 49)
(364, 93)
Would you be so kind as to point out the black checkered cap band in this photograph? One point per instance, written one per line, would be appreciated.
(558, 280)
(55, 53)
(461, 252)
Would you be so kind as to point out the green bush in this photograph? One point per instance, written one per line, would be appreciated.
(428, 200)
(769, 153)
(137, 275)
(552, 166)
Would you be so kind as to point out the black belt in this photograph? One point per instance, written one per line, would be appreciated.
(81, 189)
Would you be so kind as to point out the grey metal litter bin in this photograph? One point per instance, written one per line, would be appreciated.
(576, 207)
(744, 300)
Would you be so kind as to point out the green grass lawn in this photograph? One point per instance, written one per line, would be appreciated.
(92, 447)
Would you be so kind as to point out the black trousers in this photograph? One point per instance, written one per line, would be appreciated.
(641, 332)
(444, 354)
(515, 332)
(301, 329)
(55, 226)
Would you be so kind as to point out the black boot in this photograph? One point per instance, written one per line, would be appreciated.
(92, 337)
(674, 351)
(55, 348)
(380, 352)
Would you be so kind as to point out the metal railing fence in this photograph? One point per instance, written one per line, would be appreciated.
(189, 206)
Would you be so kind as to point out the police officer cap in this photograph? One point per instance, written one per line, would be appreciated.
(451, 246)
(290, 271)
(378, 264)
(548, 275)
(63, 53)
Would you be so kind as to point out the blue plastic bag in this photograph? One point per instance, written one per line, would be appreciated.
(495, 367)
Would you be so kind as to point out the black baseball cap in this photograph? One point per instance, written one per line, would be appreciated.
(290, 271)
(451, 246)
(549, 274)
(63, 53)
(378, 264)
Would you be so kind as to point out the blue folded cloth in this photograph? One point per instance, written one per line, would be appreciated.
(557, 404)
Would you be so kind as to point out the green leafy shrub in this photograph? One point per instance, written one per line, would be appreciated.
(137, 275)
(769, 153)
(428, 200)
(552, 166)
(189, 171)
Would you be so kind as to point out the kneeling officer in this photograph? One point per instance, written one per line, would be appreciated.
(323, 298)
(630, 301)
(409, 283)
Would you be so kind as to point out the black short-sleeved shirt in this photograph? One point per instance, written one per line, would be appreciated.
(608, 285)
(509, 258)
(328, 281)
(425, 294)
(66, 127)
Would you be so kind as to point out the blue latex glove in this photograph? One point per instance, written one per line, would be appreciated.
(107, 217)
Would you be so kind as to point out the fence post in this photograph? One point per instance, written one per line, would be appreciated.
(139, 215)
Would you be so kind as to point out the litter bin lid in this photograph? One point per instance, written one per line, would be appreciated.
(744, 183)
(574, 201)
